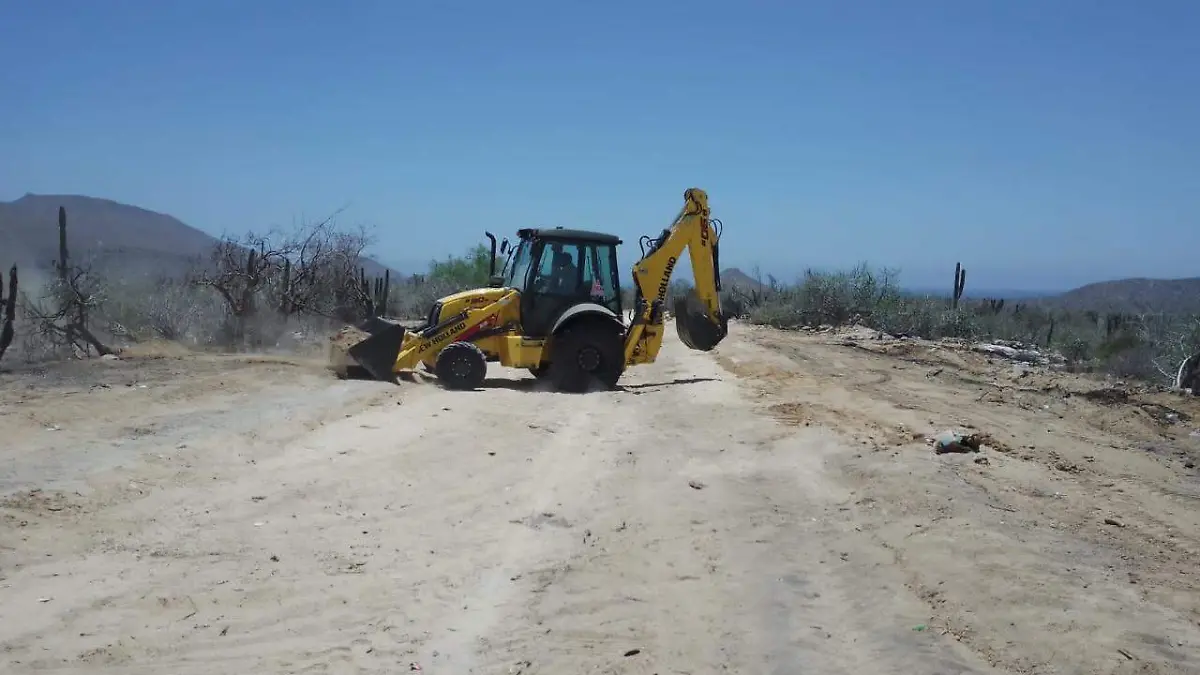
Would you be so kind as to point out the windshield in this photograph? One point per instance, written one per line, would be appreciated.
(518, 265)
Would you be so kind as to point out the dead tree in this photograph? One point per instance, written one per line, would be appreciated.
(1187, 377)
(9, 306)
(74, 294)
(321, 270)
(239, 272)
(265, 279)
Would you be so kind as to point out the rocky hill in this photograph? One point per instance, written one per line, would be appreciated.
(1133, 296)
(734, 277)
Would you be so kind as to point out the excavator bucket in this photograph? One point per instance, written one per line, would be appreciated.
(370, 347)
(696, 330)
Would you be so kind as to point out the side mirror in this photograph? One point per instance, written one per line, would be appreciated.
(504, 246)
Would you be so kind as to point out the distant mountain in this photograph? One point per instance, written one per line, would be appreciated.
(109, 233)
(1132, 296)
(118, 238)
(1122, 295)
(735, 278)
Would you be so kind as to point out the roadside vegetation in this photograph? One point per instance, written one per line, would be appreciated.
(281, 289)
(1146, 346)
(276, 289)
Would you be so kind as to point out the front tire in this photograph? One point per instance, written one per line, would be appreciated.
(461, 365)
(585, 353)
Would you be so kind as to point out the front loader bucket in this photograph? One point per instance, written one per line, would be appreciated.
(377, 354)
(371, 347)
(696, 330)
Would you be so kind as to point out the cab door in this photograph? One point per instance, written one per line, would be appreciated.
(553, 286)
(567, 274)
(600, 276)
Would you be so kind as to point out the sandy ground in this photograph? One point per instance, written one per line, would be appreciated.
(771, 507)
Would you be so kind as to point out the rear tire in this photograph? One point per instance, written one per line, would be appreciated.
(586, 353)
(461, 365)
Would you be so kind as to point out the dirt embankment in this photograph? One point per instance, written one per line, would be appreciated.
(771, 507)
(1069, 544)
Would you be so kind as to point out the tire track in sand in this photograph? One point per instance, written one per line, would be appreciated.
(536, 533)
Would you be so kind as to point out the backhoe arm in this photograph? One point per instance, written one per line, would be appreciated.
(698, 317)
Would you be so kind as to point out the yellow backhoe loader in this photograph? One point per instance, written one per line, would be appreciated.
(556, 310)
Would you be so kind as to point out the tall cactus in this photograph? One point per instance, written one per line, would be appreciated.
(374, 292)
(75, 302)
(1114, 323)
(8, 305)
(960, 281)
(365, 292)
(61, 264)
(286, 298)
(383, 288)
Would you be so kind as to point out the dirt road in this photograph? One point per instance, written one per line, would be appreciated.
(771, 507)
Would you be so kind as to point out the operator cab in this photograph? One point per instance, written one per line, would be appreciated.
(556, 269)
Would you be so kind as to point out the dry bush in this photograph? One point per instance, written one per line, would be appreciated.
(260, 291)
(164, 308)
(1143, 346)
(273, 286)
(254, 291)
(60, 315)
(413, 299)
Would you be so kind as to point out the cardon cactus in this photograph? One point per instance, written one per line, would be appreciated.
(60, 265)
(375, 292)
(960, 281)
(8, 310)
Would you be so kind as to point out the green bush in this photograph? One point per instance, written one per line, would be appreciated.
(468, 271)
(412, 298)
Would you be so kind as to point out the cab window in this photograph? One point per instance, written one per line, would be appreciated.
(599, 276)
(518, 267)
(558, 270)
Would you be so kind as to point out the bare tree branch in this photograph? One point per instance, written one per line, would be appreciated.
(263, 279)
(74, 294)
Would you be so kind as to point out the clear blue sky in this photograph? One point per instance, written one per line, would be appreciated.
(1043, 144)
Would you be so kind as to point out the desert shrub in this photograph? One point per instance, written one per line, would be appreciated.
(257, 290)
(163, 308)
(266, 280)
(1145, 346)
(413, 299)
(60, 311)
(1075, 349)
(269, 290)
